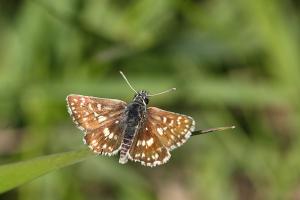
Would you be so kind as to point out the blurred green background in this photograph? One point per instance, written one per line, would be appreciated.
(232, 62)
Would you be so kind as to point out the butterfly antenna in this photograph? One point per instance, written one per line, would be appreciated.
(127, 82)
(212, 130)
(169, 90)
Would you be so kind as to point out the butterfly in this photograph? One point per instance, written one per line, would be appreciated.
(140, 133)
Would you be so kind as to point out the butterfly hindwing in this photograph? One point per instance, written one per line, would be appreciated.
(148, 150)
(101, 119)
(105, 140)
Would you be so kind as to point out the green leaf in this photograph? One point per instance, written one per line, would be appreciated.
(16, 174)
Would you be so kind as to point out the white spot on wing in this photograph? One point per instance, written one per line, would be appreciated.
(111, 136)
(94, 142)
(164, 119)
(160, 131)
(150, 142)
(172, 131)
(106, 132)
(101, 119)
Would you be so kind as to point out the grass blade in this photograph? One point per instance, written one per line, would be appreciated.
(15, 174)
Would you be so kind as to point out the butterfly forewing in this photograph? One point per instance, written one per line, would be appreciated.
(101, 119)
(90, 113)
(172, 129)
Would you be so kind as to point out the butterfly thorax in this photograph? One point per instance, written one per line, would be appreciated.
(134, 118)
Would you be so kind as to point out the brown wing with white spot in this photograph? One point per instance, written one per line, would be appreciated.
(100, 118)
(105, 140)
(172, 129)
(90, 113)
(162, 131)
(148, 150)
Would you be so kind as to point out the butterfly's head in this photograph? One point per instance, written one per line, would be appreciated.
(141, 97)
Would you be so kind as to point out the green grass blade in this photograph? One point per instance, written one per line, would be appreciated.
(16, 174)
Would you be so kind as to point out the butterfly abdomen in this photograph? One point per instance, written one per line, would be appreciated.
(134, 113)
(126, 144)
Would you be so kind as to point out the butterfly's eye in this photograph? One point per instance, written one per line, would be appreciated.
(146, 100)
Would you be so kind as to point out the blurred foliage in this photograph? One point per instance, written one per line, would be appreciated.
(232, 62)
